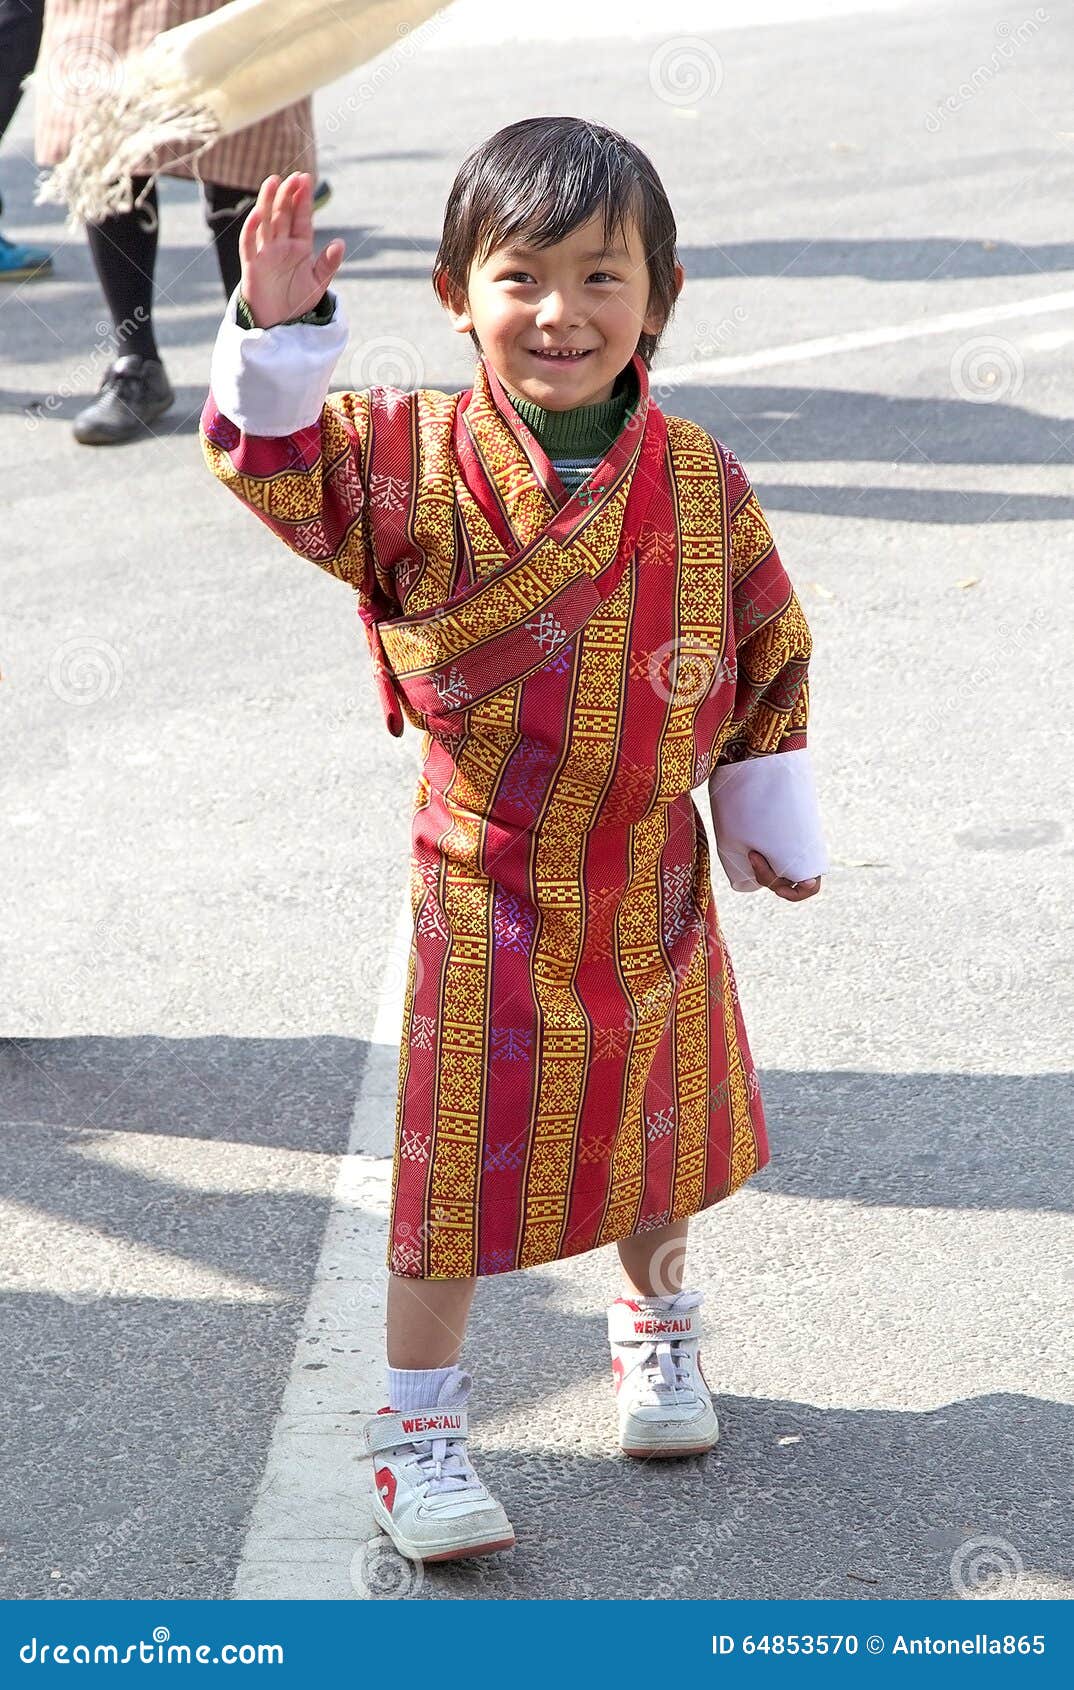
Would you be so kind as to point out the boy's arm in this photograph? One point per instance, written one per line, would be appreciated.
(762, 791)
(269, 432)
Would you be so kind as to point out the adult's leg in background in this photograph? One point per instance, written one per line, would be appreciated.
(225, 213)
(21, 22)
(124, 252)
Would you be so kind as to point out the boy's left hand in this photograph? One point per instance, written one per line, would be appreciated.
(767, 876)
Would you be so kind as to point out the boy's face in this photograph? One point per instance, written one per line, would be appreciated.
(524, 302)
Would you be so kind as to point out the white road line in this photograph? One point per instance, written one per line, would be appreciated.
(827, 346)
(311, 1519)
(1048, 340)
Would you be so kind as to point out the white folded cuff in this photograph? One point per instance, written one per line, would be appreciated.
(274, 381)
(768, 804)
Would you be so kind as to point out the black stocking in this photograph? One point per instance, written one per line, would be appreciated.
(124, 251)
(225, 213)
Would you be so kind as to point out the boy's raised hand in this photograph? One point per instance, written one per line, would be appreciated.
(280, 276)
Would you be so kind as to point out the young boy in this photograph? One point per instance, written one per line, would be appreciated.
(577, 601)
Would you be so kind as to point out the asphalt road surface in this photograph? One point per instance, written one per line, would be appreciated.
(205, 845)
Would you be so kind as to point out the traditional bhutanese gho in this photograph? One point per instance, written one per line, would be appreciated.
(574, 1067)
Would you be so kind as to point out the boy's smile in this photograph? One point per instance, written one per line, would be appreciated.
(559, 323)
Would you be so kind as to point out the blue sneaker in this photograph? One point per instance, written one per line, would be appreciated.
(19, 262)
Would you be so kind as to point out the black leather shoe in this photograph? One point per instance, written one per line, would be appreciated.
(134, 391)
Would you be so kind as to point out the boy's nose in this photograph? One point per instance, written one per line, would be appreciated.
(556, 308)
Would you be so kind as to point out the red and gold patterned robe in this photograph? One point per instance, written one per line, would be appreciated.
(574, 1067)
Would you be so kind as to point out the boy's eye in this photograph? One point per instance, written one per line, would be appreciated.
(524, 275)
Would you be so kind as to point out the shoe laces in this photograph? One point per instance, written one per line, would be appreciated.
(442, 1462)
(442, 1465)
(664, 1366)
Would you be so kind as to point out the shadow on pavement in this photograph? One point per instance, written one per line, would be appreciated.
(932, 258)
(120, 1406)
(865, 1503)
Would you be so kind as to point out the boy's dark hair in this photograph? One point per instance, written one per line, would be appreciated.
(539, 179)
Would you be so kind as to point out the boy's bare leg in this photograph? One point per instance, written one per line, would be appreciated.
(653, 1262)
(427, 1320)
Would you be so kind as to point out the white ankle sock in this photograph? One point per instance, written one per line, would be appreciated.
(663, 1303)
(411, 1388)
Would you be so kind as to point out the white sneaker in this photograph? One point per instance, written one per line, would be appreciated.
(426, 1495)
(663, 1401)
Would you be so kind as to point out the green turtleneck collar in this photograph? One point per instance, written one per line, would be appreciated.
(586, 430)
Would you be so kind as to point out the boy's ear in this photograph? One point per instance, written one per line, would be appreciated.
(654, 323)
(453, 299)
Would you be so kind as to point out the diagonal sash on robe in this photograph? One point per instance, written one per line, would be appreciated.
(499, 630)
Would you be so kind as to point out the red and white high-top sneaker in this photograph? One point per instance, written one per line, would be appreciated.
(426, 1495)
(663, 1401)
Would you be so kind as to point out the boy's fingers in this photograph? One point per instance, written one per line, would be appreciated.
(302, 208)
(792, 891)
(265, 195)
(762, 868)
(328, 262)
(248, 236)
(280, 223)
(296, 195)
(262, 207)
(279, 218)
(290, 196)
